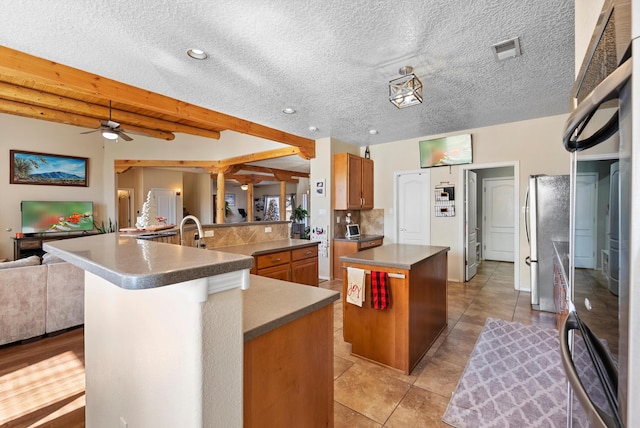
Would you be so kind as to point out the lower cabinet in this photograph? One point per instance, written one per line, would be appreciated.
(288, 374)
(299, 265)
(343, 248)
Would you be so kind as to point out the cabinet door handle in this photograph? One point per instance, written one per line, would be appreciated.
(276, 260)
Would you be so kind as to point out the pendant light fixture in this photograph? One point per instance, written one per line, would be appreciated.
(405, 91)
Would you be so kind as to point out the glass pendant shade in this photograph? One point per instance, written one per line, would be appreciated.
(405, 91)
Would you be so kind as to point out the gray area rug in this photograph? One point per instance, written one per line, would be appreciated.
(514, 378)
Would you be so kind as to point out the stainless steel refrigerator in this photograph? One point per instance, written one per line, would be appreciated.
(547, 220)
(601, 325)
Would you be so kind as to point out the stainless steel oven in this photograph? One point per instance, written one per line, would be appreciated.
(600, 337)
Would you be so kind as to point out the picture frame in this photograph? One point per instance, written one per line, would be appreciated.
(230, 198)
(320, 188)
(47, 169)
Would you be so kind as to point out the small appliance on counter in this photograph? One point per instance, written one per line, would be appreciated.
(353, 231)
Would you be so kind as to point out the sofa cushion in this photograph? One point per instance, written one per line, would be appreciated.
(48, 259)
(65, 296)
(28, 261)
(22, 303)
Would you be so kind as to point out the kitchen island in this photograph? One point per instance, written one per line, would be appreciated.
(163, 332)
(180, 336)
(399, 336)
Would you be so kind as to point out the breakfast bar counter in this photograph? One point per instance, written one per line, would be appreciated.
(163, 331)
(416, 281)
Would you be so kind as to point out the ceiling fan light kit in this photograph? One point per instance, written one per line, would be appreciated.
(109, 135)
(110, 130)
(405, 91)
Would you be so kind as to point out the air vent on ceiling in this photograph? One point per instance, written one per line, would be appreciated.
(507, 49)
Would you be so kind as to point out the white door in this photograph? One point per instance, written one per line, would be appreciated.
(498, 221)
(586, 213)
(470, 224)
(413, 215)
(165, 204)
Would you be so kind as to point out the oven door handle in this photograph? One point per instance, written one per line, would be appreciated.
(608, 89)
(571, 323)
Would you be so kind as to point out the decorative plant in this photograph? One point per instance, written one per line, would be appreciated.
(227, 209)
(298, 214)
(113, 227)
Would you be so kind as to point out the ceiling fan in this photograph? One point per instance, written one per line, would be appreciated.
(110, 129)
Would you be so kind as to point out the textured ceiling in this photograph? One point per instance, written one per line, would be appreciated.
(330, 60)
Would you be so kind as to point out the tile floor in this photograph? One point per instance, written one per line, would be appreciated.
(368, 395)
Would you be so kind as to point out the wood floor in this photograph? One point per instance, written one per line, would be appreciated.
(42, 382)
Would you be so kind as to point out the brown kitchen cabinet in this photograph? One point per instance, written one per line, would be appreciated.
(299, 265)
(304, 266)
(352, 182)
(342, 247)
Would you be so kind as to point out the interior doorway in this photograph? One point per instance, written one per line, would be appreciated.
(505, 173)
(125, 208)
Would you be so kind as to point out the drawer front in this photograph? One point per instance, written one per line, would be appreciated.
(30, 245)
(369, 244)
(304, 253)
(273, 259)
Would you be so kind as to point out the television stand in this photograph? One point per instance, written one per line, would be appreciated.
(32, 245)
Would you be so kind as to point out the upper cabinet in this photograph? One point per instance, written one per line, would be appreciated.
(352, 182)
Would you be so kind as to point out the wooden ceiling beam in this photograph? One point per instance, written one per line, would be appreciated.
(41, 113)
(254, 157)
(69, 105)
(129, 163)
(266, 169)
(22, 66)
(248, 178)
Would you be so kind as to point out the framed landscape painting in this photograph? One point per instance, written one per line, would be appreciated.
(47, 169)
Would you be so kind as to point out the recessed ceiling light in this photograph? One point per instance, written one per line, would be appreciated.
(197, 54)
(373, 132)
(313, 129)
(288, 110)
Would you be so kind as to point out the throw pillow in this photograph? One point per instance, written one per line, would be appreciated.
(49, 259)
(28, 261)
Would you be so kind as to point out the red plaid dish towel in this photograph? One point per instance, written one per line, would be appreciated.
(379, 290)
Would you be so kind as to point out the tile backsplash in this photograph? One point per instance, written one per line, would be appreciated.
(371, 222)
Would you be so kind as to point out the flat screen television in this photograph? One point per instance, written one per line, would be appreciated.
(444, 151)
(56, 216)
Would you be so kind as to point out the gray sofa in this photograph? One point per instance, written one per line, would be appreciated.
(39, 298)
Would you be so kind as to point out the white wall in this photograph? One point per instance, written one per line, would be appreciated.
(19, 133)
(534, 144)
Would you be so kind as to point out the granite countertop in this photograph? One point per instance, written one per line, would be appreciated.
(271, 303)
(361, 238)
(139, 264)
(258, 248)
(401, 256)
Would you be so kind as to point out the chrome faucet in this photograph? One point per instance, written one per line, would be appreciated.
(199, 242)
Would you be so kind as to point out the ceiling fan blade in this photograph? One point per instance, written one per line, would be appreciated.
(89, 132)
(124, 136)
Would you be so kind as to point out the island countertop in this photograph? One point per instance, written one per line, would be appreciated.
(258, 248)
(271, 303)
(139, 264)
(401, 256)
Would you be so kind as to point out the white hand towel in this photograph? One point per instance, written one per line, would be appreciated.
(355, 286)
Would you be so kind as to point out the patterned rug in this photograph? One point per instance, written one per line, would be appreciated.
(514, 378)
